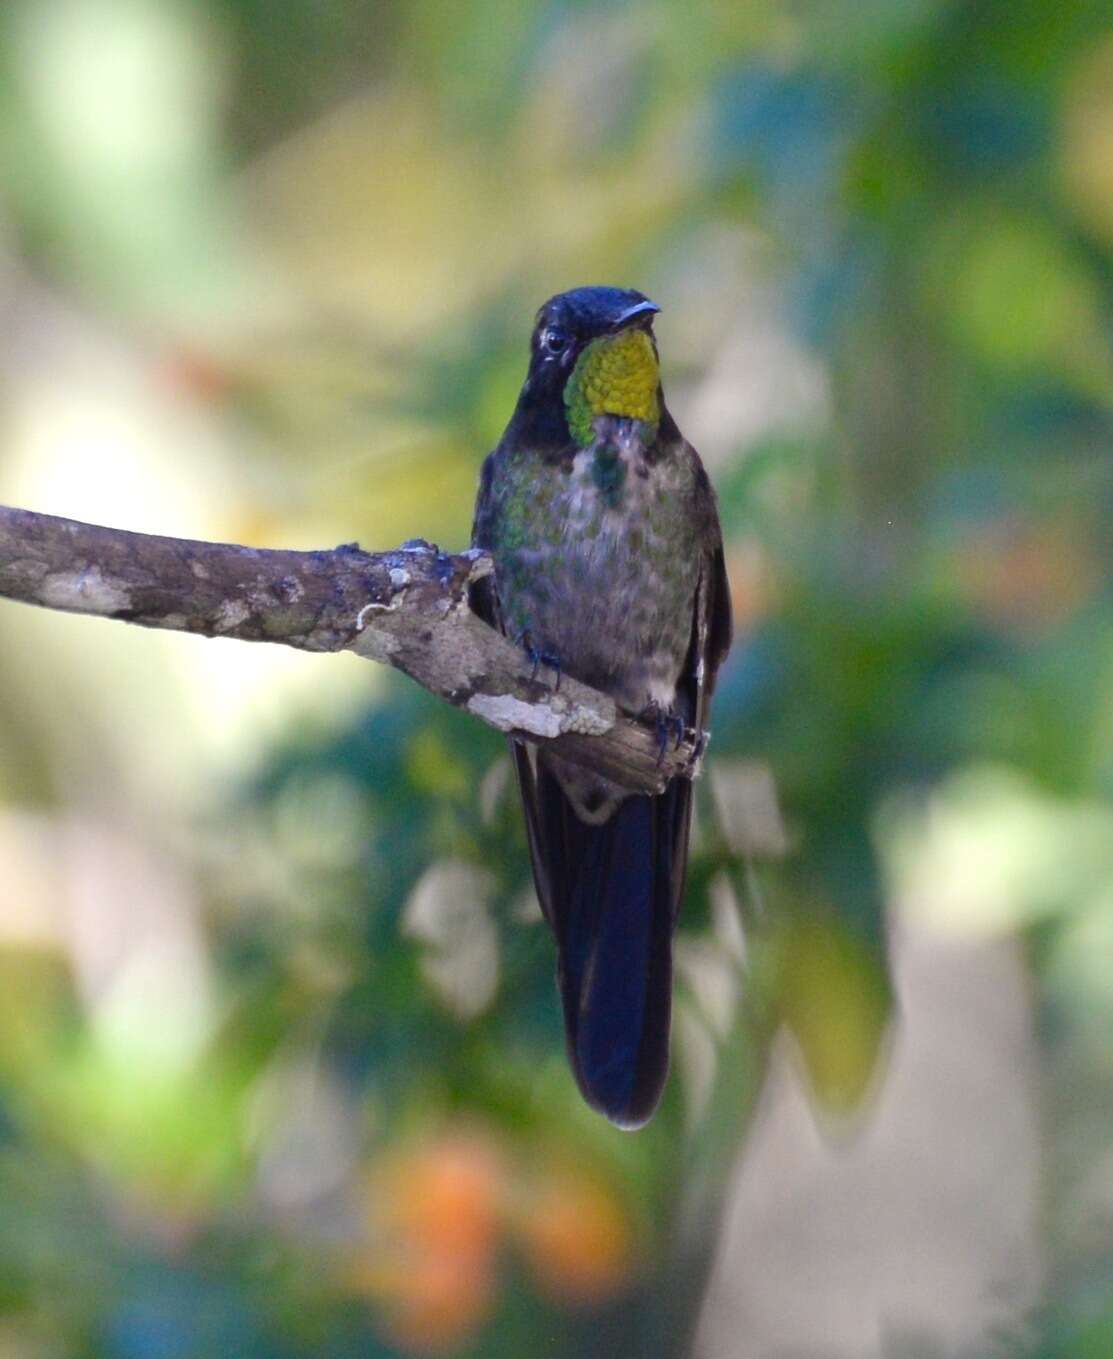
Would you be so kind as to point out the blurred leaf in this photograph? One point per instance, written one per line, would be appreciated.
(983, 276)
(833, 996)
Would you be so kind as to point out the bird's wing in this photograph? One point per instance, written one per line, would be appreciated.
(712, 631)
(483, 595)
(711, 637)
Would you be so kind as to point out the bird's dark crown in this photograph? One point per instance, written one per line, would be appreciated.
(582, 314)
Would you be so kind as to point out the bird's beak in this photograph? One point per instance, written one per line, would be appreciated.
(634, 313)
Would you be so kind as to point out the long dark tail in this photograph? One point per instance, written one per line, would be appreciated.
(611, 893)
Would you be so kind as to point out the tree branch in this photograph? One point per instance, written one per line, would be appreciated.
(407, 607)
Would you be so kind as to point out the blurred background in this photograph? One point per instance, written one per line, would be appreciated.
(281, 1064)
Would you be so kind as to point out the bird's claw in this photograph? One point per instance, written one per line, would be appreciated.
(539, 658)
(666, 722)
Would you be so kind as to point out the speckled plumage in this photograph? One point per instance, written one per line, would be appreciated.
(608, 557)
(597, 560)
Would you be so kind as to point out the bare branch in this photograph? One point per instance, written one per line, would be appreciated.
(407, 607)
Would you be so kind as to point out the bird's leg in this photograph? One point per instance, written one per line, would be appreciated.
(539, 658)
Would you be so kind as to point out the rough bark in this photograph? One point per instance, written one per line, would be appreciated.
(407, 607)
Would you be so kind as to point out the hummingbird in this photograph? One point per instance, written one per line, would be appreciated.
(608, 556)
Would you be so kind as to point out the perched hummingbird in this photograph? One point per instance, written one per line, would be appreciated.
(609, 567)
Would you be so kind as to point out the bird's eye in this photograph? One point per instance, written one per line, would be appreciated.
(554, 340)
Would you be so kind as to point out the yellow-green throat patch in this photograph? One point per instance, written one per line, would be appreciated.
(615, 375)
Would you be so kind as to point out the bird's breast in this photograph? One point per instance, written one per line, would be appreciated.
(601, 566)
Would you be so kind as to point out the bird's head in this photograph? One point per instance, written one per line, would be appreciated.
(593, 353)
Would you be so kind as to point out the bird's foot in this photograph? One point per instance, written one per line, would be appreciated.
(666, 722)
(539, 658)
